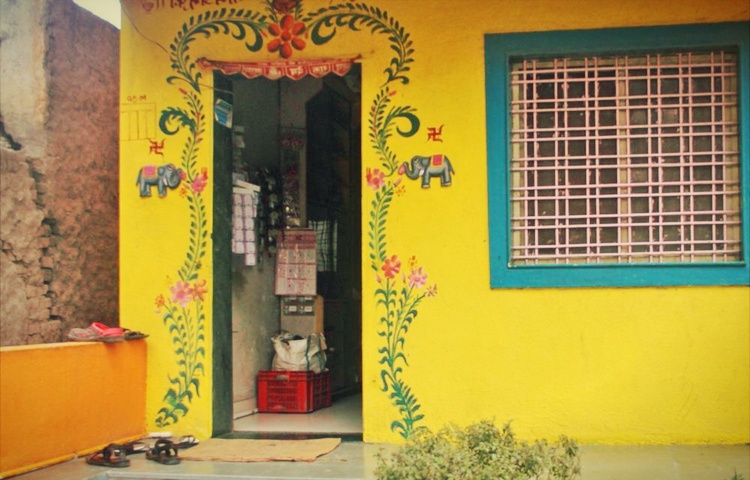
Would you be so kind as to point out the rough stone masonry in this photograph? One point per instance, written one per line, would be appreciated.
(59, 100)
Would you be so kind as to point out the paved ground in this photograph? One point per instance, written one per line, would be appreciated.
(356, 461)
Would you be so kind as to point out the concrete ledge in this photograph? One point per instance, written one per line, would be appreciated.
(62, 400)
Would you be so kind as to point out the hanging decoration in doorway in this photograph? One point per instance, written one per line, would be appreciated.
(400, 289)
(318, 68)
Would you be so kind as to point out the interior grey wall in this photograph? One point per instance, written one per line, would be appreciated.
(294, 96)
(261, 106)
(255, 308)
(256, 107)
(255, 319)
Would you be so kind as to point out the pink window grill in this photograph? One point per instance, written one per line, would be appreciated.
(625, 159)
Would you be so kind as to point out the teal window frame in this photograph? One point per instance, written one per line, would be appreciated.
(501, 49)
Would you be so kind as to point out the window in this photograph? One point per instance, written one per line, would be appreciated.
(616, 161)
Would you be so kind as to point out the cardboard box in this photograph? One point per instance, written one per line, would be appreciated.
(302, 315)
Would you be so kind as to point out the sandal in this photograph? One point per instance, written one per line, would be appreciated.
(131, 448)
(106, 333)
(163, 452)
(87, 334)
(133, 335)
(96, 332)
(186, 441)
(110, 456)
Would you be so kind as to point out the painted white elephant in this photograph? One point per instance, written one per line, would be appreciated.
(428, 167)
(163, 177)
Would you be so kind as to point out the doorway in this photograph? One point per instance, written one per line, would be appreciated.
(298, 141)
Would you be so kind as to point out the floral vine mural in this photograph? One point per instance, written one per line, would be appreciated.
(285, 28)
(182, 309)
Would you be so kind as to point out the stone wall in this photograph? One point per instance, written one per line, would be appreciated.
(58, 170)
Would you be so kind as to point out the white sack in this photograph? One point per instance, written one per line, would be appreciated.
(299, 354)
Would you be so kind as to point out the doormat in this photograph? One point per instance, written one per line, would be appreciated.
(245, 450)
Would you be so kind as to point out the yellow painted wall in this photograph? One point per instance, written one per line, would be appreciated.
(64, 400)
(632, 365)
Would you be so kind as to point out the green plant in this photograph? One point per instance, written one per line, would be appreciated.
(736, 476)
(481, 451)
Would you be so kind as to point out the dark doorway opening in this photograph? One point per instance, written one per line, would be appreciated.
(325, 115)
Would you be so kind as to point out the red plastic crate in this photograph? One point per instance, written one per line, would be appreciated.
(293, 392)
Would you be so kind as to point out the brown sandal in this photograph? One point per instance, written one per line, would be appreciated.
(163, 452)
(110, 456)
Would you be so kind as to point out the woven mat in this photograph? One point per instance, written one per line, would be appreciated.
(244, 450)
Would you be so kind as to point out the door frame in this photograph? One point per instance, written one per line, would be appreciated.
(221, 235)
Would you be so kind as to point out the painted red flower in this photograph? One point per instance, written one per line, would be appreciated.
(417, 278)
(159, 301)
(181, 293)
(199, 182)
(287, 33)
(375, 178)
(391, 266)
(199, 290)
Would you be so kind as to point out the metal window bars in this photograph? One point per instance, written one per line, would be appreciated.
(625, 159)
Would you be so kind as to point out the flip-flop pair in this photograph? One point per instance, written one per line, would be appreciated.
(164, 451)
(99, 332)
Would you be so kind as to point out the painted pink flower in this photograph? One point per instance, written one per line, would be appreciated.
(391, 266)
(417, 278)
(199, 290)
(199, 182)
(287, 33)
(181, 293)
(375, 178)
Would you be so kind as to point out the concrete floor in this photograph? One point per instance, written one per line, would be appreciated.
(344, 416)
(356, 460)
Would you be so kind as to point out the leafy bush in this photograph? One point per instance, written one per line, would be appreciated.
(480, 451)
